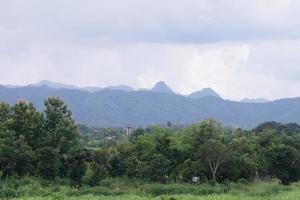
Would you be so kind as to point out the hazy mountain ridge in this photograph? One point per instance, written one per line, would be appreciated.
(257, 100)
(141, 108)
(120, 87)
(206, 92)
(56, 85)
(160, 86)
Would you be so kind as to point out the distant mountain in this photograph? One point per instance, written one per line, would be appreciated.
(142, 108)
(206, 92)
(10, 86)
(143, 89)
(90, 89)
(120, 87)
(54, 85)
(258, 100)
(161, 86)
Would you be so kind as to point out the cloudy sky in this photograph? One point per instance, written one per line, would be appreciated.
(239, 48)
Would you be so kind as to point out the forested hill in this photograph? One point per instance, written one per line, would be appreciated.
(139, 108)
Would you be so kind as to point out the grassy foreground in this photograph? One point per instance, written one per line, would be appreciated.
(117, 189)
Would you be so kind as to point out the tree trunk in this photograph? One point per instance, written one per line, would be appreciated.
(214, 176)
(214, 168)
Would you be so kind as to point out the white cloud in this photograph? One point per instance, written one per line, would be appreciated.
(239, 48)
(236, 70)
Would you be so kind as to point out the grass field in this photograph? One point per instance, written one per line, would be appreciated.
(117, 189)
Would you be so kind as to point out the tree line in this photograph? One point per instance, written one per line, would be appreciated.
(48, 144)
(45, 144)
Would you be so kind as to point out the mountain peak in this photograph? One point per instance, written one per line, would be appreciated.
(53, 85)
(161, 86)
(205, 92)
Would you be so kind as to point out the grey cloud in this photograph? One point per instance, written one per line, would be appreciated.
(191, 21)
(191, 44)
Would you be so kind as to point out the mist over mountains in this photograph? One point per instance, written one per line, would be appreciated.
(119, 106)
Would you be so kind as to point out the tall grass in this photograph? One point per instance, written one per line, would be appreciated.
(114, 189)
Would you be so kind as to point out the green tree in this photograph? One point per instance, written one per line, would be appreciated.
(24, 157)
(284, 163)
(48, 162)
(134, 136)
(7, 152)
(208, 145)
(158, 168)
(76, 165)
(16, 157)
(62, 132)
(5, 116)
(28, 123)
(214, 153)
(246, 156)
(100, 165)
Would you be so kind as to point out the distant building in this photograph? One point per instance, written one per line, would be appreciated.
(196, 179)
(128, 129)
(110, 137)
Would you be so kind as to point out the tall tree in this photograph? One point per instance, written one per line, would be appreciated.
(214, 153)
(208, 141)
(284, 163)
(63, 136)
(28, 123)
(62, 132)
(5, 115)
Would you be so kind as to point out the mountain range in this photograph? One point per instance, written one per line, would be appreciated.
(160, 86)
(117, 107)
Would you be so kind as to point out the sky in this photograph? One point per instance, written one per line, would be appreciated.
(241, 49)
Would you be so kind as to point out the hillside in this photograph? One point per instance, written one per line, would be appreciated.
(140, 108)
(206, 92)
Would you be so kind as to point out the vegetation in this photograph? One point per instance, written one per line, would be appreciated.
(100, 137)
(40, 144)
(43, 154)
(33, 188)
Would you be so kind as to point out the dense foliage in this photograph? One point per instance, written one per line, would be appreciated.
(49, 145)
(45, 144)
(206, 150)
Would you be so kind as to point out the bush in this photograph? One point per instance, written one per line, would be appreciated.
(173, 189)
(242, 181)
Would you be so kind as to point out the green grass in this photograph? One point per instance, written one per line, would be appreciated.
(117, 189)
(283, 196)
